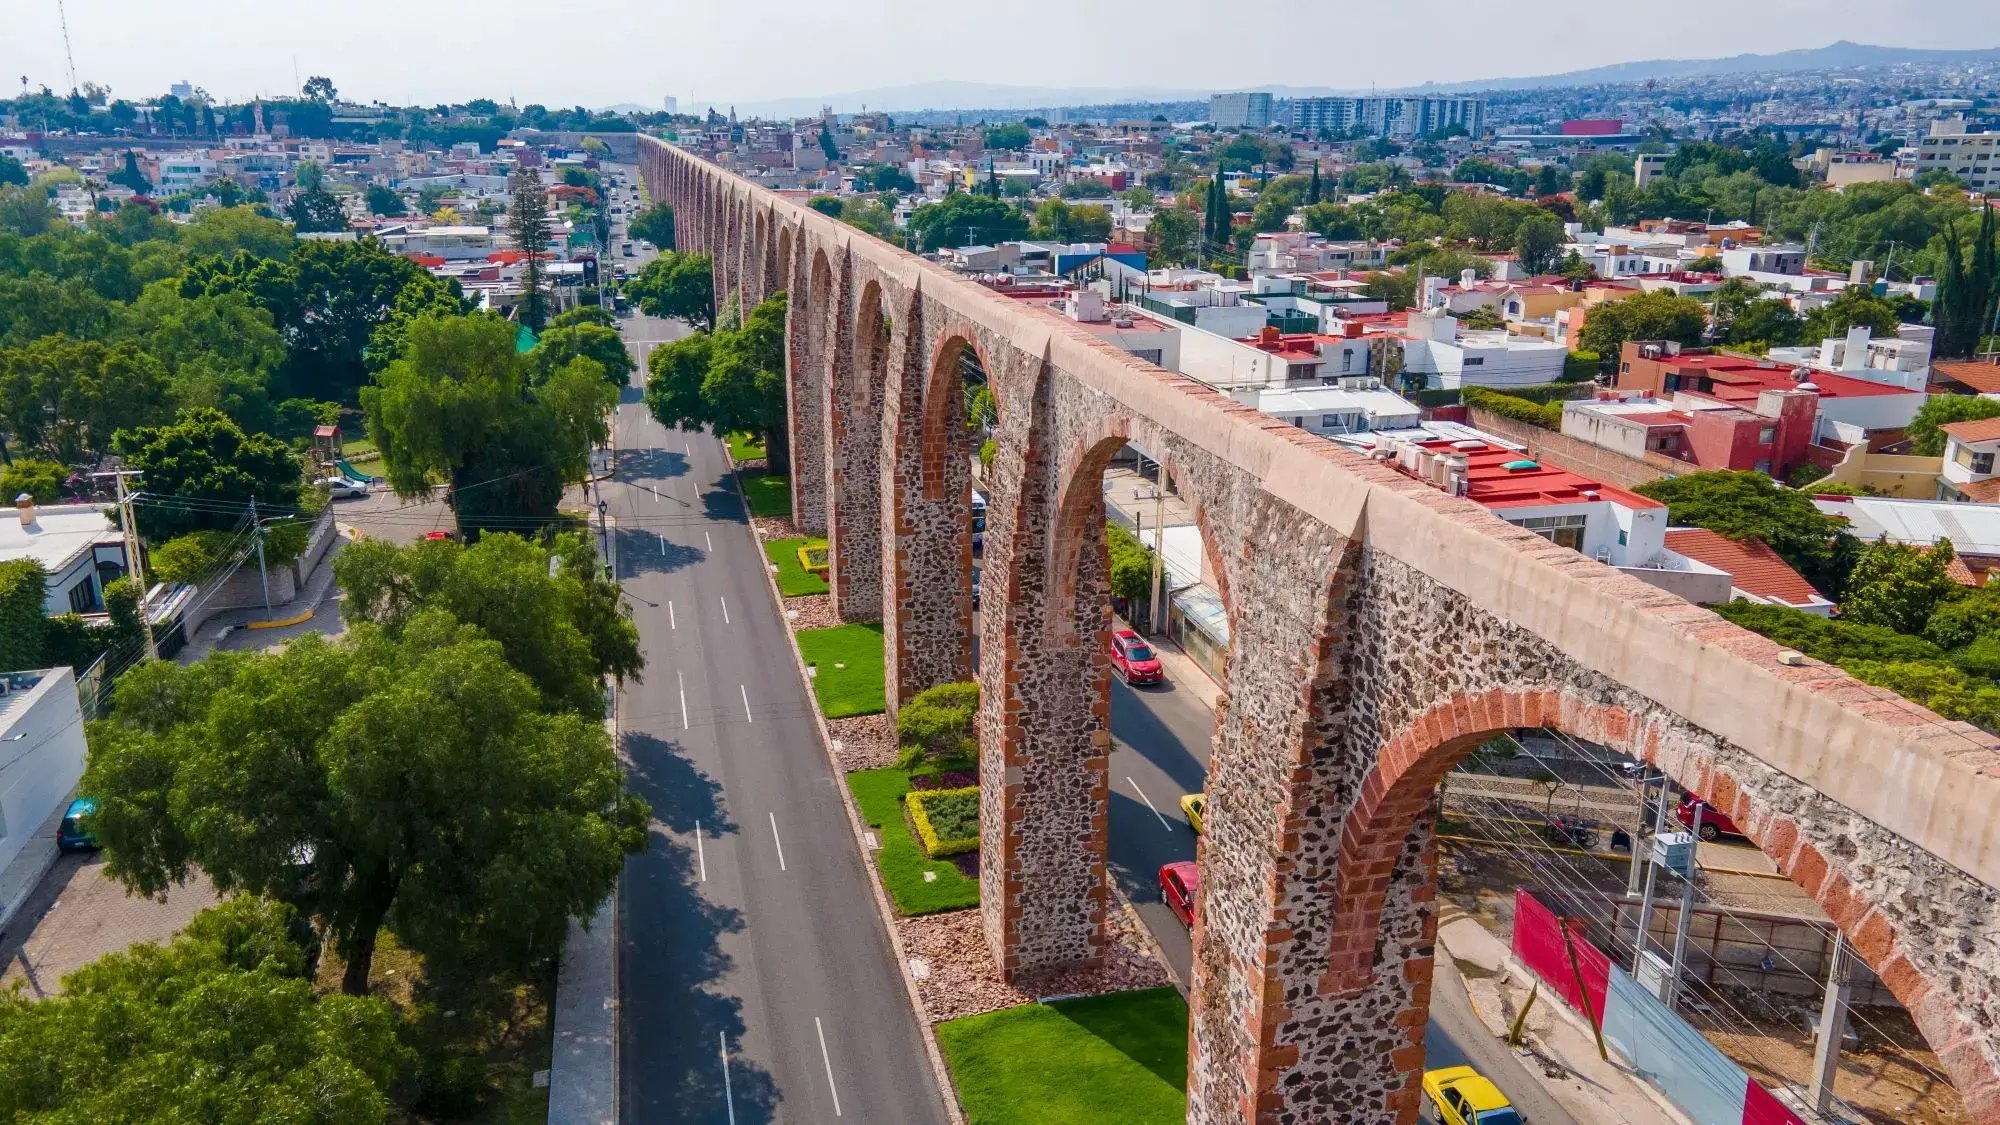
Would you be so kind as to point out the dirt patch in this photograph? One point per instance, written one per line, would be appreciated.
(813, 611)
(774, 527)
(863, 742)
(964, 981)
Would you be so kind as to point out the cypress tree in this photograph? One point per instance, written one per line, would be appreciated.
(1979, 303)
(1312, 190)
(1950, 313)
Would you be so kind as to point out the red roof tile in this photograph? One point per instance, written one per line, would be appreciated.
(1752, 566)
(1981, 377)
(1978, 429)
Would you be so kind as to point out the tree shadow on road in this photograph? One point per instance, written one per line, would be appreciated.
(649, 463)
(721, 503)
(646, 550)
(674, 1021)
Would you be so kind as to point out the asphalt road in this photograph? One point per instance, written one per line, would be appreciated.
(1160, 752)
(755, 982)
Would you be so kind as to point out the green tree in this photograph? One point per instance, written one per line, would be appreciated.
(25, 211)
(1658, 315)
(1899, 587)
(1770, 322)
(222, 231)
(828, 205)
(221, 350)
(678, 286)
(1927, 428)
(1750, 506)
(11, 172)
(418, 772)
(210, 469)
(1960, 621)
(1853, 306)
(37, 478)
(1131, 565)
(1171, 234)
(24, 620)
(219, 1024)
(67, 397)
(826, 144)
(655, 225)
(314, 209)
(965, 219)
(585, 314)
(938, 726)
(1538, 242)
(527, 221)
(563, 343)
(733, 380)
(129, 175)
(1008, 137)
(385, 201)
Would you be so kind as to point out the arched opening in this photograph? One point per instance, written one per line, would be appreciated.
(961, 415)
(1535, 789)
(856, 400)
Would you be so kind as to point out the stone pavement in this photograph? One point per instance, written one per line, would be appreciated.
(77, 914)
(228, 631)
(1591, 1088)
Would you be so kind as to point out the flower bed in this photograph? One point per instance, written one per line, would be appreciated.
(945, 779)
(946, 820)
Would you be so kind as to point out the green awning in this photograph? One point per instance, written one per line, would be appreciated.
(525, 340)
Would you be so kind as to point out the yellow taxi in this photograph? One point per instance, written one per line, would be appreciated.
(1463, 1096)
(1193, 805)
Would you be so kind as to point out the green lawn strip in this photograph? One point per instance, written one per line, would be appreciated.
(1121, 1057)
(768, 496)
(879, 794)
(855, 688)
(794, 581)
(745, 447)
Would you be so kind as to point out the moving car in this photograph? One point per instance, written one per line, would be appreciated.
(1194, 805)
(74, 835)
(1715, 824)
(1179, 881)
(1463, 1096)
(1134, 659)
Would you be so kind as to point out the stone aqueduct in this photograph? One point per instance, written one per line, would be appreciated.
(1380, 629)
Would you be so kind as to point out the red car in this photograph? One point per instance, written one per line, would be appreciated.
(1178, 883)
(1133, 659)
(1714, 822)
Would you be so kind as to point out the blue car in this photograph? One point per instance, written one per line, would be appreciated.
(74, 835)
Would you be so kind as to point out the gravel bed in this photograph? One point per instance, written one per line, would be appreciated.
(774, 527)
(813, 611)
(863, 742)
(751, 464)
(964, 981)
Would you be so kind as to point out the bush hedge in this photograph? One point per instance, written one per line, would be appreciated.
(946, 820)
(1547, 415)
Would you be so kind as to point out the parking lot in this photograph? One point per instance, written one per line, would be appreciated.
(78, 914)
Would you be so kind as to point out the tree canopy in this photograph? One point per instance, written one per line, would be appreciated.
(207, 471)
(678, 286)
(733, 379)
(655, 224)
(1750, 506)
(1927, 437)
(1658, 315)
(965, 219)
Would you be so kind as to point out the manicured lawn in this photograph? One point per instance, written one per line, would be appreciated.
(856, 687)
(794, 581)
(1121, 1057)
(880, 795)
(768, 496)
(744, 447)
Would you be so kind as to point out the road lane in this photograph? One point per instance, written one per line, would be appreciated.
(753, 989)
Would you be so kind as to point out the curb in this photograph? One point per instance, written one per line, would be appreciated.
(281, 622)
(953, 1111)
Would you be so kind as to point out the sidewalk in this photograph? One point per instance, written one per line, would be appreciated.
(20, 877)
(1185, 674)
(1589, 1087)
(314, 609)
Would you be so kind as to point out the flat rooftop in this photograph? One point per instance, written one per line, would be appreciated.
(59, 533)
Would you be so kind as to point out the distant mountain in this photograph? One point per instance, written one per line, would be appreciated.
(1837, 56)
(971, 96)
(631, 107)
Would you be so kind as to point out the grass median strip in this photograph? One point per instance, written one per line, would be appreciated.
(794, 581)
(847, 668)
(768, 496)
(879, 794)
(1121, 1057)
(746, 447)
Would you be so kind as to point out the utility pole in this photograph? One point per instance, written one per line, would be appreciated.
(1159, 545)
(257, 533)
(1646, 902)
(1634, 870)
(1832, 1028)
(1687, 911)
(130, 528)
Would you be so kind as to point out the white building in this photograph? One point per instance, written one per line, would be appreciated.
(1243, 110)
(186, 171)
(41, 756)
(1356, 405)
(1450, 357)
(1952, 146)
(78, 546)
(1968, 474)
(1389, 116)
(1902, 360)
(1647, 165)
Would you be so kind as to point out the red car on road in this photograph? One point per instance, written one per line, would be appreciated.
(1714, 822)
(1178, 883)
(1134, 659)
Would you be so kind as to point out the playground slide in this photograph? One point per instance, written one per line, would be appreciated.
(352, 473)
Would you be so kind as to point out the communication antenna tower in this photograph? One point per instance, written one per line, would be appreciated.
(69, 55)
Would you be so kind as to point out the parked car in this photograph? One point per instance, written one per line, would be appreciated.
(1193, 805)
(1463, 1096)
(74, 835)
(1133, 659)
(1179, 881)
(1715, 824)
(344, 488)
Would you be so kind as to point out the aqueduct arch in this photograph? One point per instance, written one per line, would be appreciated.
(1382, 607)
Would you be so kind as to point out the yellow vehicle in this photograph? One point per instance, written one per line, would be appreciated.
(1463, 1096)
(1194, 804)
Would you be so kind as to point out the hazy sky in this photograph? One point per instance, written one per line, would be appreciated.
(597, 52)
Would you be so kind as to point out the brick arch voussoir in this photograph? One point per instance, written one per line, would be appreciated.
(1411, 764)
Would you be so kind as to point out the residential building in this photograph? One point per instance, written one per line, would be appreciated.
(1749, 261)
(1902, 360)
(1242, 110)
(1973, 529)
(79, 548)
(1756, 573)
(41, 731)
(1389, 116)
(1338, 408)
(1965, 151)
(1770, 434)
(1446, 355)
(1967, 475)
(1647, 165)
(1850, 410)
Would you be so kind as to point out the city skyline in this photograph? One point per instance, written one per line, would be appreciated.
(768, 50)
